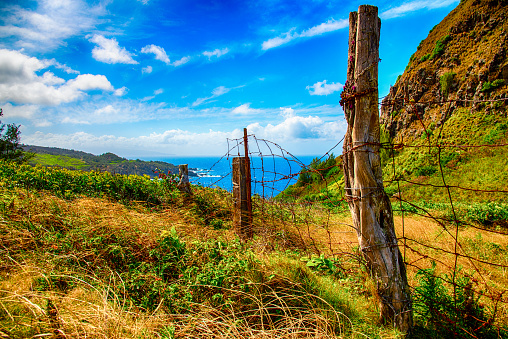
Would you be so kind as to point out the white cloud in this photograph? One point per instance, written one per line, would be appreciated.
(325, 27)
(245, 109)
(109, 51)
(159, 52)
(322, 88)
(299, 127)
(182, 61)
(218, 91)
(216, 53)
(86, 82)
(147, 69)
(414, 6)
(21, 111)
(296, 127)
(173, 141)
(121, 91)
(109, 109)
(50, 24)
(20, 84)
(158, 91)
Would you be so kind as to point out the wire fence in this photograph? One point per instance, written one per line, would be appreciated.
(453, 235)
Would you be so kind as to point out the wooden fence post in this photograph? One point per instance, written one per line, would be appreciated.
(184, 184)
(242, 215)
(369, 204)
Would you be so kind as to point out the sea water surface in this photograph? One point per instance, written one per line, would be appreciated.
(270, 174)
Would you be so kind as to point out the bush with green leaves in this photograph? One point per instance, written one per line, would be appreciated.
(490, 86)
(444, 311)
(446, 81)
(440, 47)
(68, 183)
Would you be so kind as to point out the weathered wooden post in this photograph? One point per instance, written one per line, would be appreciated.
(184, 184)
(242, 215)
(369, 205)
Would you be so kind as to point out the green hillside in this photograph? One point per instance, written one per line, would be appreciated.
(71, 159)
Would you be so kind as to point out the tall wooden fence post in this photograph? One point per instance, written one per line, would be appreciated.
(369, 205)
(184, 184)
(242, 215)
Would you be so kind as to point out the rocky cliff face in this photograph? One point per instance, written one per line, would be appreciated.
(462, 63)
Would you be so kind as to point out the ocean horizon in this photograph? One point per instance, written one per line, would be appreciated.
(270, 174)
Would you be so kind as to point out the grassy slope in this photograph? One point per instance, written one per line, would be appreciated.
(92, 267)
(88, 266)
(58, 160)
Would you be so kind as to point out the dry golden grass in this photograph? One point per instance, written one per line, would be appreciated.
(90, 307)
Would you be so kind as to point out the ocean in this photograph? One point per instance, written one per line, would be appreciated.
(270, 174)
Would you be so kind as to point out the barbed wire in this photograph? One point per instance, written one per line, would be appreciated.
(290, 215)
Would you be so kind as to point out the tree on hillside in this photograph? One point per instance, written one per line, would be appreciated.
(10, 147)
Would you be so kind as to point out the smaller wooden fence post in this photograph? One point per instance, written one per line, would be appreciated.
(184, 184)
(242, 215)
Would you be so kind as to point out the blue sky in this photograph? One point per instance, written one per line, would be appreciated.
(179, 77)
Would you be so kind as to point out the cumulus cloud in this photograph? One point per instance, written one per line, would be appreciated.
(174, 141)
(50, 24)
(322, 88)
(147, 69)
(109, 51)
(325, 27)
(20, 83)
(216, 53)
(297, 127)
(21, 111)
(414, 6)
(159, 52)
(86, 82)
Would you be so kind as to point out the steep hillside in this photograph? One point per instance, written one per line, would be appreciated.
(447, 113)
(462, 63)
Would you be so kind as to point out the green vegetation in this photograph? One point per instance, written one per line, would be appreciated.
(10, 147)
(70, 159)
(436, 306)
(446, 81)
(318, 171)
(490, 86)
(96, 268)
(67, 183)
(440, 47)
(425, 57)
(58, 160)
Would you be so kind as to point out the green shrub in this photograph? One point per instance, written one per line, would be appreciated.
(425, 170)
(487, 214)
(497, 133)
(490, 86)
(442, 312)
(446, 81)
(425, 57)
(440, 47)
